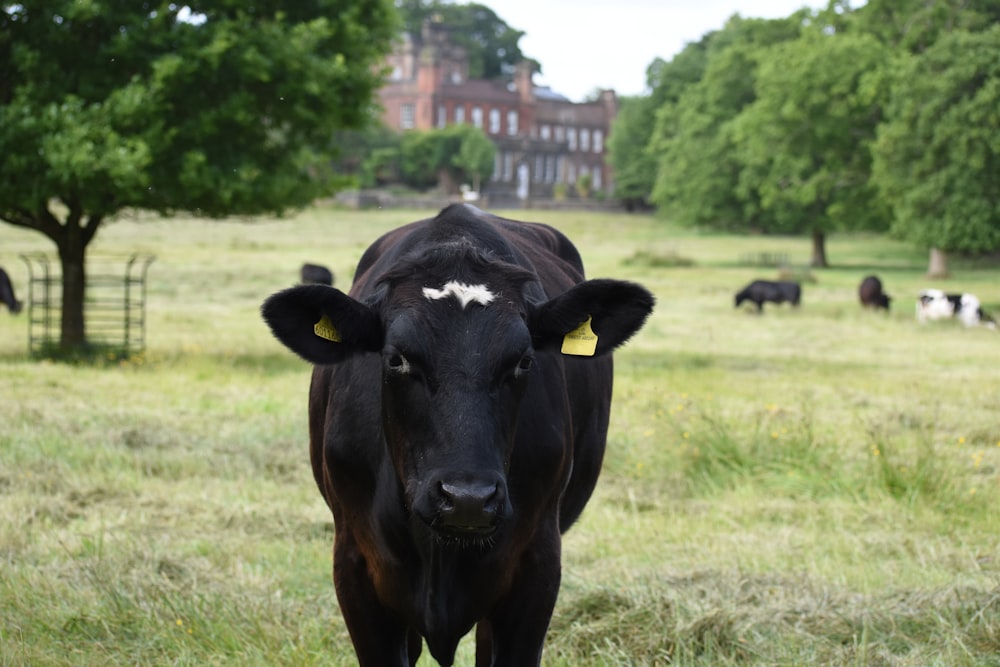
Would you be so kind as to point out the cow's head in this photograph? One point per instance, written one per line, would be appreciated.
(457, 340)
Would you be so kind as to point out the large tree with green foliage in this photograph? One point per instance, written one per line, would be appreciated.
(937, 158)
(212, 107)
(698, 166)
(912, 26)
(446, 156)
(492, 45)
(629, 153)
(804, 143)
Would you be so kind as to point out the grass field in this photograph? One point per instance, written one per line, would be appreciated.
(808, 487)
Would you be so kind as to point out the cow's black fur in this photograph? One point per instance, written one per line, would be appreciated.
(7, 293)
(778, 291)
(871, 295)
(454, 444)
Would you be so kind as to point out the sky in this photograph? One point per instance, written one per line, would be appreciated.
(588, 44)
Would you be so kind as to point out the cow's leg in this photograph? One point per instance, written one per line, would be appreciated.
(484, 644)
(519, 622)
(379, 636)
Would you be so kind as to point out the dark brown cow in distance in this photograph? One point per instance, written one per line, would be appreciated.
(316, 273)
(871, 295)
(457, 415)
(7, 293)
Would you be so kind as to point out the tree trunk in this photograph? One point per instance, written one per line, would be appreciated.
(938, 266)
(818, 250)
(72, 239)
(73, 332)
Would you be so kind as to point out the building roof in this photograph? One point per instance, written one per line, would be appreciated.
(546, 93)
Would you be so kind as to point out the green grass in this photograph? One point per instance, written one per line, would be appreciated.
(808, 487)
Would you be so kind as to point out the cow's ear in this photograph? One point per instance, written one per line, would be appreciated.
(592, 318)
(322, 324)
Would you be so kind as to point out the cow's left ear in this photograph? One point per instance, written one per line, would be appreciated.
(592, 318)
(322, 324)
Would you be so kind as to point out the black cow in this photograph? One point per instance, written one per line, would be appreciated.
(778, 291)
(316, 273)
(457, 416)
(7, 293)
(871, 295)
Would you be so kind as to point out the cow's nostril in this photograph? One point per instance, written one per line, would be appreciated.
(467, 505)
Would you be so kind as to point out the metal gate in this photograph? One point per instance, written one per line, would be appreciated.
(114, 306)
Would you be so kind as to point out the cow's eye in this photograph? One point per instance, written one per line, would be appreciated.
(524, 365)
(397, 363)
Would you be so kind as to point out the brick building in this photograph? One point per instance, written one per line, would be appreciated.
(542, 138)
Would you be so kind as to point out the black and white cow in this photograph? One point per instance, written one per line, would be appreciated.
(935, 304)
(458, 414)
(775, 291)
(7, 293)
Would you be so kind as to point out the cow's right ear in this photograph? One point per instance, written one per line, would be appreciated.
(322, 324)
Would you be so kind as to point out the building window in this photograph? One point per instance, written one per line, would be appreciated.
(598, 141)
(571, 138)
(498, 159)
(512, 123)
(442, 116)
(508, 166)
(539, 169)
(406, 117)
(560, 133)
(477, 117)
(494, 121)
(595, 178)
(459, 114)
(584, 140)
(545, 133)
(571, 175)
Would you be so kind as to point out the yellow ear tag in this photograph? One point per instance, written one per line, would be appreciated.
(325, 329)
(581, 341)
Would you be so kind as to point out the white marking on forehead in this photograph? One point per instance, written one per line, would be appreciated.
(465, 294)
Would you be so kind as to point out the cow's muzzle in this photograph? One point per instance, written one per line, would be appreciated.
(465, 505)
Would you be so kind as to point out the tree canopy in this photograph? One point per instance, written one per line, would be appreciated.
(804, 143)
(447, 157)
(698, 162)
(492, 45)
(880, 117)
(937, 159)
(215, 108)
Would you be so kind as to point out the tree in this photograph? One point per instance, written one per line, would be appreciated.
(491, 43)
(446, 156)
(629, 152)
(214, 107)
(698, 168)
(914, 25)
(476, 155)
(805, 140)
(938, 154)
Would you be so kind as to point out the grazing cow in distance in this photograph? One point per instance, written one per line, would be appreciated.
(775, 291)
(935, 304)
(871, 294)
(316, 273)
(7, 293)
(458, 414)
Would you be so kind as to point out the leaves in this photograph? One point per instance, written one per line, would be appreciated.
(938, 156)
